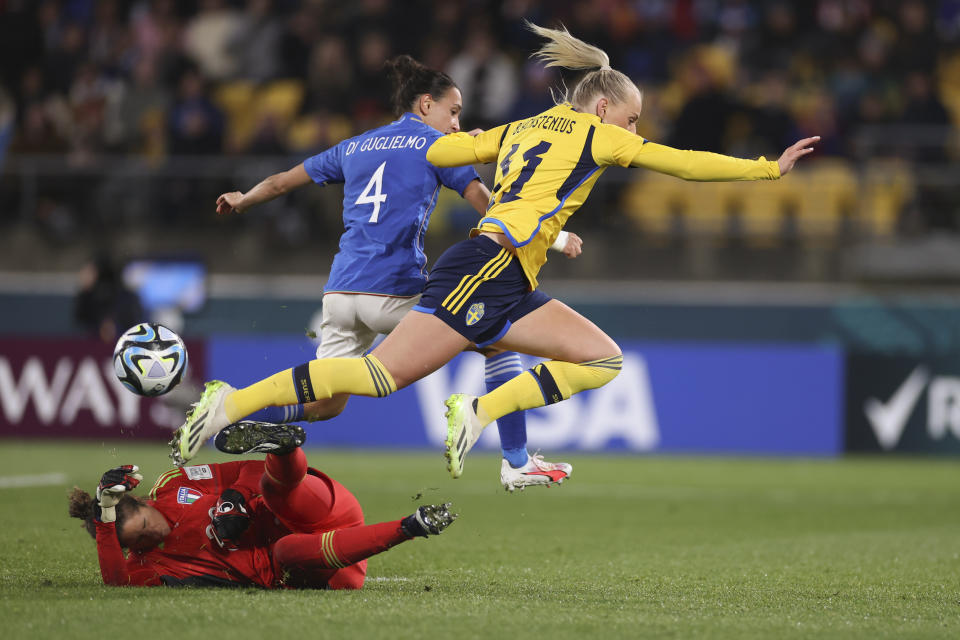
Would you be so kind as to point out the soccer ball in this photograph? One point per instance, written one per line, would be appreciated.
(149, 359)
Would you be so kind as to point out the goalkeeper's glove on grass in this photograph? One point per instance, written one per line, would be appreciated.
(113, 485)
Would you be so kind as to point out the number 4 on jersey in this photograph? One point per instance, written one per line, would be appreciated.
(377, 197)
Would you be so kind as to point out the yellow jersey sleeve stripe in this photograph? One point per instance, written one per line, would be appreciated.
(457, 293)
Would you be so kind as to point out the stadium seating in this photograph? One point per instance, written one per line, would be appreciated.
(829, 189)
(246, 105)
(816, 205)
(887, 186)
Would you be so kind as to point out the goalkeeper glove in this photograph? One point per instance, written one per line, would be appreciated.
(113, 485)
(231, 518)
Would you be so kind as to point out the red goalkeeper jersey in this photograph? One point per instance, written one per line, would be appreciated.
(189, 554)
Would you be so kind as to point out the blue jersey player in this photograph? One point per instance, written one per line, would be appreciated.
(377, 276)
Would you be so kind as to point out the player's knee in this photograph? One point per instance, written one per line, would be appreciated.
(351, 577)
(603, 370)
(606, 369)
(383, 380)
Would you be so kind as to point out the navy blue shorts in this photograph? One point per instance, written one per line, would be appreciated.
(479, 289)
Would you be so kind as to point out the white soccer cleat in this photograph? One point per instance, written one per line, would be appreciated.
(463, 431)
(537, 471)
(205, 421)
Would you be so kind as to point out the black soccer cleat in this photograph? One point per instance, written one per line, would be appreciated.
(427, 520)
(251, 436)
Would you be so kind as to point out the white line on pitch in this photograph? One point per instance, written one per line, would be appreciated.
(387, 579)
(37, 480)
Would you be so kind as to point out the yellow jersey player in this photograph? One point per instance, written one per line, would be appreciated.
(483, 290)
(548, 164)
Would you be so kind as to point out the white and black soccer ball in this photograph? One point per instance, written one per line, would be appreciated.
(150, 359)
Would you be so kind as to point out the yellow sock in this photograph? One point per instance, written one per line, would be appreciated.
(314, 380)
(546, 383)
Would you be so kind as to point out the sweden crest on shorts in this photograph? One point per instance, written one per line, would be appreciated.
(474, 313)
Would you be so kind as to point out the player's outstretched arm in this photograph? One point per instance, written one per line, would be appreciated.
(276, 185)
(113, 485)
(794, 152)
(459, 149)
(477, 195)
(617, 146)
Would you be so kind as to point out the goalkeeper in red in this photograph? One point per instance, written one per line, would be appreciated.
(273, 523)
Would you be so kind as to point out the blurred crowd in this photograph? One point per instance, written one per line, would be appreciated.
(138, 113)
(158, 77)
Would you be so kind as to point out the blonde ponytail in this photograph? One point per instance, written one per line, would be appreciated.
(563, 50)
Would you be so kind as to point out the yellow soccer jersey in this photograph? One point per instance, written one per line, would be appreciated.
(547, 165)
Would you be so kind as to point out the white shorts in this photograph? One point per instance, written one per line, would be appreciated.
(351, 322)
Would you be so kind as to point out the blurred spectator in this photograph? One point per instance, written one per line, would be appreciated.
(702, 122)
(935, 203)
(330, 79)
(66, 55)
(208, 38)
(268, 137)
(157, 34)
(44, 117)
(21, 41)
(7, 117)
(104, 306)
(137, 116)
(256, 42)
(766, 126)
(918, 48)
(195, 123)
(109, 37)
(534, 96)
(922, 104)
(774, 46)
(89, 95)
(297, 41)
(487, 80)
(370, 104)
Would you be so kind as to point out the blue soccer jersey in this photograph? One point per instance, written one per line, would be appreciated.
(389, 192)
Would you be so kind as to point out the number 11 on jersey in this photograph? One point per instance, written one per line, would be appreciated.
(377, 196)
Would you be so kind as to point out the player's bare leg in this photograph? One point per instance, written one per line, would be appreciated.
(421, 344)
(557, 332)
(325, 408)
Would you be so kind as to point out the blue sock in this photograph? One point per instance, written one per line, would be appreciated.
(513, 426)
(278, 415)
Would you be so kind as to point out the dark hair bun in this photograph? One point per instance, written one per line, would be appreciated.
(411, 79)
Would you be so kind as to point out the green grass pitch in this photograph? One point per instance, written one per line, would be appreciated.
(630, 547)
